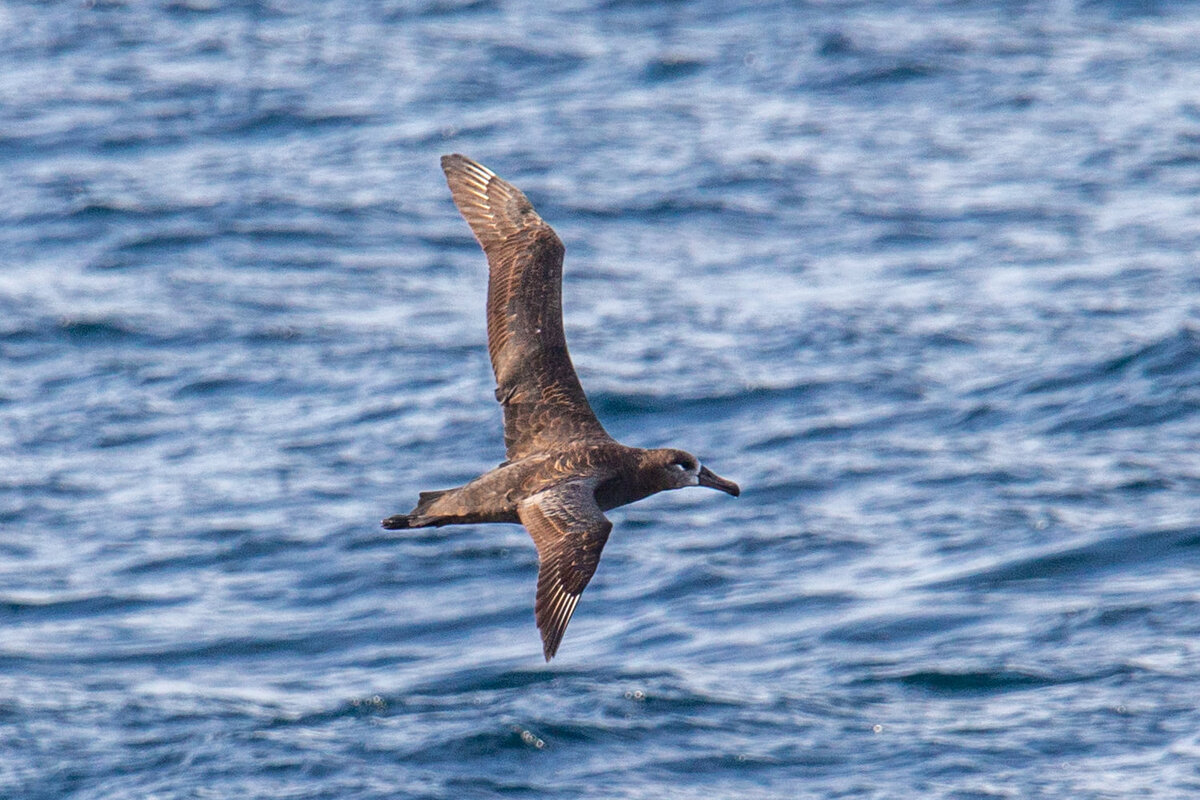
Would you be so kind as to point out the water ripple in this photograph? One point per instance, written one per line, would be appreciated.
(921, 277)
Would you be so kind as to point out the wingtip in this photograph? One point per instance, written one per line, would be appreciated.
(457, 162)
(456, 165)
(549, 646)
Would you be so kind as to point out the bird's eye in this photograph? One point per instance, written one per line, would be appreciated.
(679, 466)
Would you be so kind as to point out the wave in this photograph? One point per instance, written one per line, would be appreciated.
(1106, 555)
(1151, 385)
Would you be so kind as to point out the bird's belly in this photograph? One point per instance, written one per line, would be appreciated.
(616, 493)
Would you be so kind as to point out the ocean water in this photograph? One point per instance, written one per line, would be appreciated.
(921, 276)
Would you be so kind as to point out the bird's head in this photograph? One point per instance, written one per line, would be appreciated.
(675, 469)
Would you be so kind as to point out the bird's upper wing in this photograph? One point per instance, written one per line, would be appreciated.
(535, 380)
(569, 530)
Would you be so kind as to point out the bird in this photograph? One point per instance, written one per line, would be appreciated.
(562, 469)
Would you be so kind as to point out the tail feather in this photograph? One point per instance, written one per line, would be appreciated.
(401, 522)
(418, 518)
(426, 499)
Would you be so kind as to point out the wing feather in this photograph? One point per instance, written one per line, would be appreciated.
(536, 383)
(570, 531)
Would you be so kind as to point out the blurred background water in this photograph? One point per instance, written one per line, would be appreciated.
(921, 276)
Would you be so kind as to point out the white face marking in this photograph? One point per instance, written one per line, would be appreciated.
(688, 476)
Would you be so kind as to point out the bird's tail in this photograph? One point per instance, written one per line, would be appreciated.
(399, 522)
(419, 516)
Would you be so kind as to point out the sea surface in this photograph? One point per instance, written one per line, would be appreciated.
(923, 277)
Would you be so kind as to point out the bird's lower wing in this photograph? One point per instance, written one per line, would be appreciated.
(569, 530)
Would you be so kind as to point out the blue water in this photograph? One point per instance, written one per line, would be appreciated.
(921, 276)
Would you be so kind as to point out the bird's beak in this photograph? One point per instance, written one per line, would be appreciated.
(714, 481)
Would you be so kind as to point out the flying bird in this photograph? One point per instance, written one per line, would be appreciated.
(563, 470)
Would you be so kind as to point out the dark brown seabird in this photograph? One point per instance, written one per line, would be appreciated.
(563, 469)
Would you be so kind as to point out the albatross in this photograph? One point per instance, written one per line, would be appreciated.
(563, 470)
